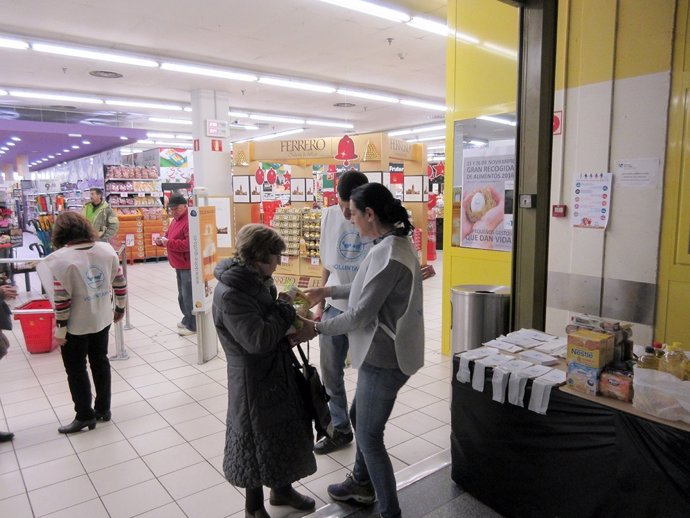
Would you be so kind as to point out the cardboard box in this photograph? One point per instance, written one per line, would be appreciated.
(291, 267)
(307, 268)
(590, 348)
(617, 385)
(582, 378)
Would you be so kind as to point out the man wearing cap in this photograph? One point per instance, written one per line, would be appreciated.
(101, 215)
(342, 251)
(176, 241)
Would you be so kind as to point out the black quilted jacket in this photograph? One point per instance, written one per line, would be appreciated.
(269, 438)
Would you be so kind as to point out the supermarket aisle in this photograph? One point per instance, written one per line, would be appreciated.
(161, 454)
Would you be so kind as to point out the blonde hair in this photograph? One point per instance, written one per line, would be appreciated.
(256, 243)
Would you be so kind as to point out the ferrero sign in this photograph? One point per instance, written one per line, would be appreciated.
(401, 149)
(303, 147)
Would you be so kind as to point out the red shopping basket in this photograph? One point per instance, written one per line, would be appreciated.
(38, 328)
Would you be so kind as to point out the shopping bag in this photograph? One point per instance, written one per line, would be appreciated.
(313, 393)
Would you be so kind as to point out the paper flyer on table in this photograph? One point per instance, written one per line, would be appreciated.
(537, 357)
(503, 346)
(480, 368)
(541, 390)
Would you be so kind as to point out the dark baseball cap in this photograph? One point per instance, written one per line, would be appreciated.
(177, 199)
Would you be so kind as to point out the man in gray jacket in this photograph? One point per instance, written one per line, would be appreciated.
(101, 216)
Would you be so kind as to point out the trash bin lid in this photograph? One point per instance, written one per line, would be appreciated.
(480, 289)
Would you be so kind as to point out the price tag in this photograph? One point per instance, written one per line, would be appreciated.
(129, 240)
(315, 261)
(141, 194)
(284, 259)
(123, 195)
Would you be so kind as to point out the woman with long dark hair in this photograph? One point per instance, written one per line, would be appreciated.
(83, 275)
(385, 326)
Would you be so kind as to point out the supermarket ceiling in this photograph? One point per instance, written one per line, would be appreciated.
(294, 40)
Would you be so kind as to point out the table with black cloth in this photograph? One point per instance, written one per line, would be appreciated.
(586, 457)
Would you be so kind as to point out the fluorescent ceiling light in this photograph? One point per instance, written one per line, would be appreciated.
(372, 9)
(187, 108)
(421, 129)
(86, 142)
(183, 136)
(164, 120)
(427, 139)
(436, 147)
(55, 97)
(329, 124)
(279, 134)
(276, 118)
(185, 145)
(497, 120)
(370, 96)
(11, 144)
(160, 135)
(75, 135)
(144, 104)
(424, 104)
(144, 141)
(16, 139)
(11, 43)
(478, 143)
(77, 52)
(429, 26)
(3, 92)
(208, 71)
(239, 115)
(244, 126)
(299, 85)
(5, 148)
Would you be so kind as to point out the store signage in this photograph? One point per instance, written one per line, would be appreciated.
(216, 145)
(401, 149)
(303, 146)
(217, 128)
(197, 147)
(129, 240)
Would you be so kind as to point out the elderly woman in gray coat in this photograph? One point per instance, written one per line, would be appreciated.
(269, 438)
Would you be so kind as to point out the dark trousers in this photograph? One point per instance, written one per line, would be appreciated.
(184, 298)
(74, 354)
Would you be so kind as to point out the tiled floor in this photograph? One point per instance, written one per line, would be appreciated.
(161, 454)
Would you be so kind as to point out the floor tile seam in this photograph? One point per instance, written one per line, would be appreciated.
(69, 506)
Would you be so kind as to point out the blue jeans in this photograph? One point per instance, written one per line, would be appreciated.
(377, 390)
(333, 353)
(184, 298)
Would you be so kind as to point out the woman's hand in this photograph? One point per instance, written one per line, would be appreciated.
(305, 334)
(317, 295)
(8, 291)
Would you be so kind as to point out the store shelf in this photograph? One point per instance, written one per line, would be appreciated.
(120, 193)
(132, 179)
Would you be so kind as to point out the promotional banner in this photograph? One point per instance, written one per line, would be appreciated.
(488, 186)
(204, 254)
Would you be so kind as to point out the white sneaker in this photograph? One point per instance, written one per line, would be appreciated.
(185, 332)
(180, 325)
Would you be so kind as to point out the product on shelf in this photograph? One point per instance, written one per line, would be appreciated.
(311, 232)
(288, 221)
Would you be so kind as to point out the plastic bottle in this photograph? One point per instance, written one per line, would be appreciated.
(648, 360)
(674, 361)
(658, 348)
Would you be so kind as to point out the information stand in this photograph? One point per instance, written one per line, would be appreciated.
(204, 256)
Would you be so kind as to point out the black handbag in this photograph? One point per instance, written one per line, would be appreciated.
(313, 393)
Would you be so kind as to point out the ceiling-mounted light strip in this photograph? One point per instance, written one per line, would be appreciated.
(429, 26)
(164, 120)
(429, 148)
(498, 120)
(209, 71)
(54, 97)
(160, 135)
(11, 43)
(372, 9)
(244, 126)
(427, 139)
(345, 125)
(144, 104)
(78, 52)
(424, 104)
(420, 129)
(276, 135)
(298, 85)
(367, 95)
(3, 92)
(239, 115)
(276, 118)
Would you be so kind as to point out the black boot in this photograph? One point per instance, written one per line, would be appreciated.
(103, 416)
(77, 426)
(259, 513)
(288, 496)
(6, 436)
